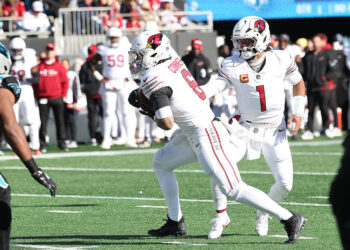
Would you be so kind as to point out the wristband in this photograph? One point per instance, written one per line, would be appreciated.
(31, 165)
(98, 76)
(299, 105)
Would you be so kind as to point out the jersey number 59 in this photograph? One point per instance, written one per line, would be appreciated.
(114, 60)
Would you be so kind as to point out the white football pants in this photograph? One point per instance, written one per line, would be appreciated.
(116, 101)
(214, 152)
(27, 113)
(276, 151)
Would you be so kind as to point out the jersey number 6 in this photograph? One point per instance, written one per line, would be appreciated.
(193, 84)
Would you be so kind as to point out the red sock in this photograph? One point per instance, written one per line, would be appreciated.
(221, 211)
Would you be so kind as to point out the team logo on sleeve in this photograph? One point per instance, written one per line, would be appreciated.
(154, 41)
(244, 78)
(259, 26)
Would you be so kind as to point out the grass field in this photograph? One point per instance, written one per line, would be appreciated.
(111, 201)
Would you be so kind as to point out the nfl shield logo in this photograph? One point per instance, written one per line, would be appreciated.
(244, 78)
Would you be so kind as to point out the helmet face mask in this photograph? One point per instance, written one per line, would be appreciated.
(251, 36)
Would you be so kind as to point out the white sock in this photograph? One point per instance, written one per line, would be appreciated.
(168, 184)
(220, 200)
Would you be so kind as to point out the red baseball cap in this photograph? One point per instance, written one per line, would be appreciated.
(196, 43)
(92, 49)
(50, 46)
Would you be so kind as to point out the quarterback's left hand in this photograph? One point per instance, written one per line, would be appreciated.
(297, 121)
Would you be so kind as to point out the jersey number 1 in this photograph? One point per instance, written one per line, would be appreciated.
(193, 84)
(261, 91)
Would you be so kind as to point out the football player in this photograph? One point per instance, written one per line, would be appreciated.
(27, 112)
(258, 74)
(10, 91)
(177, 98)
(115, 78)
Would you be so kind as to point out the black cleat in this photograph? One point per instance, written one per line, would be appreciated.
(293, 227)
(170, 228)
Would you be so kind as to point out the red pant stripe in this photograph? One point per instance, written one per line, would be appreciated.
(218, 159)
(233, 169)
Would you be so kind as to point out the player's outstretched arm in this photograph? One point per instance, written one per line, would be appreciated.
(299, 106)
(15, 137)
(212, 88)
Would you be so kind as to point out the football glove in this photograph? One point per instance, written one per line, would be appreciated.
(46, 181)
(134, 98)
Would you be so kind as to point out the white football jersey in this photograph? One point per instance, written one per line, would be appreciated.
(115, 64)
(22, 68)
(260, 95)
(188, 102)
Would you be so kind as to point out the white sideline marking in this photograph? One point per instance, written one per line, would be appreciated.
(64, 212)
(285, 236)
(318, 197)
(184, 243)
(50, 247)
(153, 199)
(86, 154)
(153, 150)
(318, 153)
(315, 143)
(149, 206)
(151, 170)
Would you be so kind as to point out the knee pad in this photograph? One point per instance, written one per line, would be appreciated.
(285, 187)
(5, 204)
(235, 193)
(157, 160)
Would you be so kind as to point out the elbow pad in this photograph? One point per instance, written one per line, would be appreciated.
(11, 83)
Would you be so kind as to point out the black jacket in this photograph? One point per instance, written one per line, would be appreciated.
(199, 67)
(89, 84)
(319, 69)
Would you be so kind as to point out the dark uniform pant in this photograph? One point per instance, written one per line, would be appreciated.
(5, 213)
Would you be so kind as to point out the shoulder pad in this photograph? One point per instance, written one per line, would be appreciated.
(151, 83)
(229, 63)
(286, 60)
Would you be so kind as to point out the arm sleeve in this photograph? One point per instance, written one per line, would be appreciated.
(292, 75)
(215, 87)
(160, 98)
(161, 103)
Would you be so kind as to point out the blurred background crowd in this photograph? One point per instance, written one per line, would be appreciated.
(75, 103)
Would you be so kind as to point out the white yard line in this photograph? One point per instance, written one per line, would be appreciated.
(153, 199)
(184, 243)
(319, 197)
(151, 170)
(149, 206)
(285, 236)
(51, 247)
(64, 212)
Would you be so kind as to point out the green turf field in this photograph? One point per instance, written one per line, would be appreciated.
(111, 201)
